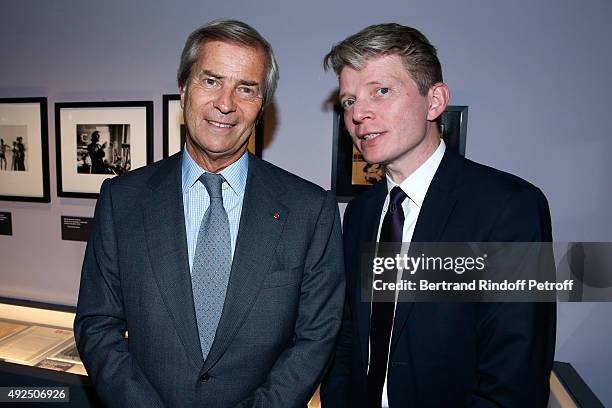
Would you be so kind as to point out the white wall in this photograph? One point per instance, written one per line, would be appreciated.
(534, 74)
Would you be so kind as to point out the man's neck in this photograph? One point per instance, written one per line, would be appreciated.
(211, 163)
(404, 167)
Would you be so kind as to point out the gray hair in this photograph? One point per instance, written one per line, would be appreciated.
(232, 31)
(419, 56)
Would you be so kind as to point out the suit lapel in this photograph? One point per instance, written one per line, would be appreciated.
(437, 207)
(164, 223)
(439, 200)
(261, 224)
(374, 200)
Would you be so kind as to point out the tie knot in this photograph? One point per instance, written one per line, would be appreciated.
(213, 183)
(396, 197)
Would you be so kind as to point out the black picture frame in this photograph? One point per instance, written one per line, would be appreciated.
(454, 128)
(174, 129)
(131, 120)
(29, 181)
(454, 125)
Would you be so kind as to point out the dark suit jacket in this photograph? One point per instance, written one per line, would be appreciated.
(451, 354)
(283, 307)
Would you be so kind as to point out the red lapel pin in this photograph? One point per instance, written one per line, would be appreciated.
(276, 215)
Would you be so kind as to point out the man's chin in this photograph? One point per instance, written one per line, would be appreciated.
(372, 158)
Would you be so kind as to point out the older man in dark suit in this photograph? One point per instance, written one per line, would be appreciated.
(224, 270)
(406, 354)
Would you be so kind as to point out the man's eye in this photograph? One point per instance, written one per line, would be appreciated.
(210, 82)
(382, 91)
(347, 103)
(248, 92)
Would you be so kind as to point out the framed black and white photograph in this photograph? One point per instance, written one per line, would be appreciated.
(175, 131)
(24, 150)
(351, 174)
(100, 140)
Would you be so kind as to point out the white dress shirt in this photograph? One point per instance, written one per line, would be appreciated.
(196, 200)
(415, 186)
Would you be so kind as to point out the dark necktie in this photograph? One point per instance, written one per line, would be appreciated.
(381, 321)
(212, 263)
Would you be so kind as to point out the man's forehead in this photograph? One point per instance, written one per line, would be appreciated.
(374, 64)
(214, 55)
(214, 47)
(374, 70)
(227, 60)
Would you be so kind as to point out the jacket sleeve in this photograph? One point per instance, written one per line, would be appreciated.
(100, 323)
(335, 389)
(516, 341)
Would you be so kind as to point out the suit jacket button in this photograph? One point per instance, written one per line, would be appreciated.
(204, 377)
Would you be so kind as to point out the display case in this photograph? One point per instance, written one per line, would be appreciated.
(37, 349)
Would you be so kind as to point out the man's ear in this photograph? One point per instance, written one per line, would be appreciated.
(439, 96)
(182, 89)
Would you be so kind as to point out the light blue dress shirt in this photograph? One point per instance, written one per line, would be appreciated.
(196, 199)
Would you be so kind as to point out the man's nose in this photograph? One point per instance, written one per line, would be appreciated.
(361, 111)
(224, 101)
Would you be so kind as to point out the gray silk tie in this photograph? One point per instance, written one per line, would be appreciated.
(211, 263)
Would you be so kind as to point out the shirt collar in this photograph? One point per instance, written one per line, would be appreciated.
(416, 185)
(235, 174)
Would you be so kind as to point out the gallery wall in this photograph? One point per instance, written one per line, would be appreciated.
(534, 75)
